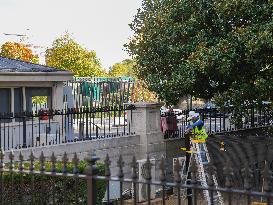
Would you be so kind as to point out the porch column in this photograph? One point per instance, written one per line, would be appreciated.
(57, 96)
(57, 104)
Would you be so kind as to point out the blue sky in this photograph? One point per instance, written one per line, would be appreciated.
(100, 25)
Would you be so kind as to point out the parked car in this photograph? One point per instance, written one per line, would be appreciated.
(210, 109)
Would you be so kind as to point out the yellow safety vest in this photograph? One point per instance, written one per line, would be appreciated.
(199, 134)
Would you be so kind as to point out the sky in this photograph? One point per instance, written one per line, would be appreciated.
(100, 25)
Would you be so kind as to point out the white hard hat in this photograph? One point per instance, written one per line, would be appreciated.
(193, 114)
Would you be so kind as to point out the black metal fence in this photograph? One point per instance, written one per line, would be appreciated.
(26, 183)
(99, 92)
(48, 127)
(174, 124)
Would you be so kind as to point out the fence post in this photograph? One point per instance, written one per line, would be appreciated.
(91, 171)
(24, 132)
(145, 121)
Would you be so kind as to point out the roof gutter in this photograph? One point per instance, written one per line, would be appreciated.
(35, 76)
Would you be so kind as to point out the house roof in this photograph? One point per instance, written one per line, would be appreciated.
(13, 65)
(12, 70)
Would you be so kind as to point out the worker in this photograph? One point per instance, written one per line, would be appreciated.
(198, 130)
(196, 127)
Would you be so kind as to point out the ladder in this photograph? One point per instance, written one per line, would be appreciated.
(199, 149)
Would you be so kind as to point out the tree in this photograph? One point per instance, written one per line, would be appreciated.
(140, 93)
(124, 68)
(19, 51)
(67, 54)
(213, 48)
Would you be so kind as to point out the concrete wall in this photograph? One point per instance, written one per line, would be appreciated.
(127, 146)
(147, 141)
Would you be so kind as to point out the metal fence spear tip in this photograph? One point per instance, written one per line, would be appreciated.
(21, 160)
(267, 175)
(42, 162)
(31, 156)
(247, 174)
(21, 157)
(11, 154)
(53, 162)
(31, 160)
(211, 170)
(228, 172)
(75, 162)
(134, 168)
(2, 154)
(176, 171)
(146, 169)
(65, 161)
(107, 163)
(193, 170)
(120, 164)
(162, 169)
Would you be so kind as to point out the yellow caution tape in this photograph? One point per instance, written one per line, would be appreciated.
(198, 141)
(258, 203)
(184, 149)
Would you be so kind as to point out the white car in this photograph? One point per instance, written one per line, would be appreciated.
(178, 114)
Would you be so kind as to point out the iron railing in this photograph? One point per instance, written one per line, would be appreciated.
(25, 183)
(215, 121)
(99, 92)
(47, 127)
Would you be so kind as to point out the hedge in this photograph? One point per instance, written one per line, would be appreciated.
(40, 189)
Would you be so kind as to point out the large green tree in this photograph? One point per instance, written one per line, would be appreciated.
(124, 68)
(67, 54)
(212, 48)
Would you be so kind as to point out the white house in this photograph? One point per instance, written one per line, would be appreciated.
(20, 83)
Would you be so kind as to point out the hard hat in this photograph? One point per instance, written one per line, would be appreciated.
(193, 114)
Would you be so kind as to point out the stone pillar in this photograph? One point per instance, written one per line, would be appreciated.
(57, 96)
(57, 104)
(145, 121)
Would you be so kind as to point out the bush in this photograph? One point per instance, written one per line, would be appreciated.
(42, 189)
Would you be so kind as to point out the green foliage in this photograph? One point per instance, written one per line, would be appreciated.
(214, 48)
(64, 189)
(124, 68)
(67, 54)
(39, 99)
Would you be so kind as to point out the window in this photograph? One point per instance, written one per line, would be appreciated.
(5, 100)
(38, 98)
(18, 100)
